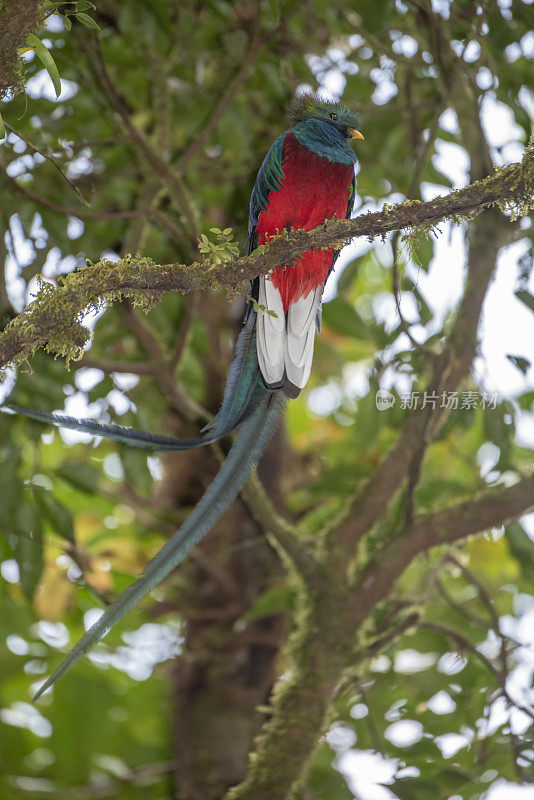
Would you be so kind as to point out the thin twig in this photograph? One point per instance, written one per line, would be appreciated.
(178, 397)
(181, 341)
(284, 534)
(87, 213)
(96, 59)
(109, 367)
(49, 157)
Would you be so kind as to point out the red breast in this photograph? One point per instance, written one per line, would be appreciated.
(314, 189)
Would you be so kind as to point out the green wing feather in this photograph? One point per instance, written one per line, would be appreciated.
(270, 179)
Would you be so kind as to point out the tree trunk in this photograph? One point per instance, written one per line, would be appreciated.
(228, 666)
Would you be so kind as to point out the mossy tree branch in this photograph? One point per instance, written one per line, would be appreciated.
(53, 320)
(324, 640)
(18, 18)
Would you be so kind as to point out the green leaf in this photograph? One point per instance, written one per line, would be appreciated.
(67, 23)
(136, 468)
(324, 781)
(342, 317)
(88, 21)
(29, 548)
(80, 475)
(45, 57)
(526, 298)
(58, 515)
(521, 363)
(274, 600)
(101, 389)
(348, 276)
(522, 548)
(2, 128)
(423, 252)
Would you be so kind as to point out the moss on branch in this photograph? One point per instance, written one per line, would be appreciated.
(18, 18)
(54, 319)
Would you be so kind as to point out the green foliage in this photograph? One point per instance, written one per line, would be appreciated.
(46, 60)
(220, 250)
(79, 522)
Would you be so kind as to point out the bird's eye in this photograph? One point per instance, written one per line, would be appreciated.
(334, 116)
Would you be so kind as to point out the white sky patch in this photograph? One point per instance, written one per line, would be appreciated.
(75, 228)
(403, 44)
(7, 384)
(385, 89)
(324, 400)
(505, 790)
(359, 711)
(91, 616)
(87, 379)
(472, 52)
(449, 121)
(23, 164)
(453, 161)
(484, 78)
(54, 634)
(441, 703)
(451, 663)
(155, 467)
(40, 86)
(340, 737)
(9, 570)
(487, 456)
(501, 130)
(404, 733)
(366, 772)
(81, 165)
(451, 743)
(442, 7)
(24, 715)
(76, 405)
(442, 285)
(17, 645)
(120, 402)
(527, 45)
(125, 380)
(507, 327)
(113, 467)
(410, 661)
(151, 644)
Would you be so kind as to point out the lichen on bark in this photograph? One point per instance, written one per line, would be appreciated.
(18, 18)
(53, 319)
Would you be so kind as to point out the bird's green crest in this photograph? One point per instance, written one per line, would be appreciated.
(310, 106)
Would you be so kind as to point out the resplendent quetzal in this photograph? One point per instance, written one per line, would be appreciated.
(306, 177)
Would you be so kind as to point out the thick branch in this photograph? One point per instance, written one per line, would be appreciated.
(321, 652)
(449, 368)
(319, 662)
(53, 319)
(489, 510)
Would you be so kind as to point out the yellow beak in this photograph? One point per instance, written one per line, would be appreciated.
(355, 134)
